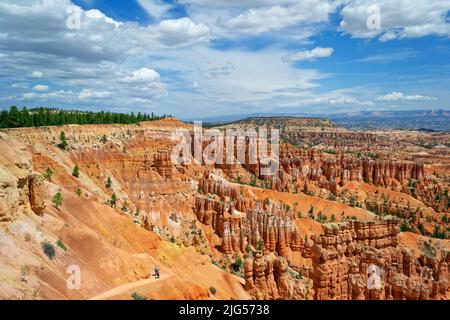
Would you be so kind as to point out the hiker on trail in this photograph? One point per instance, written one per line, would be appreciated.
(156, 272)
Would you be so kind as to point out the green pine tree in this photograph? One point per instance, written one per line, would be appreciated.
(48, 174)
(57, 200)
(76, 171)
(113, 200)
(63, 141)
(108, 183)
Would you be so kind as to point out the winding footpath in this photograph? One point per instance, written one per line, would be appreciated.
(129, 287)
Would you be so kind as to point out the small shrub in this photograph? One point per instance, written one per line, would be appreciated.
(48, 174)
(108, 183)
(137, 296)
(405, 227)
(76, 171)
(253, 181)
(237, 264)
(61, 245)
(213, 290)
(321, 217)
(48, 249)
(260, 245)
(113, 199)
(438, 233)
(24, 271)
(57, 199)
(63, 141)
(422, 229)
(78, 192)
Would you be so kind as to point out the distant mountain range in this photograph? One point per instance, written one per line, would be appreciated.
(429, 120)
(435, 120)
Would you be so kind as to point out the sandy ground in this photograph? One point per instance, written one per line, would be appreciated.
(130, 287)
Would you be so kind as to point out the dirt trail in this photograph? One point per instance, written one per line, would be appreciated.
(128, 287)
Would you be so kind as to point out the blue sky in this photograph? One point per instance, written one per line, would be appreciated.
(199, 58)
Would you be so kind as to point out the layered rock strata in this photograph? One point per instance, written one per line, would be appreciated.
(362, 260)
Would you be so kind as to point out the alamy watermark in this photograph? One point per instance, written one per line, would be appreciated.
(73, 21)
(373, 22)
(227, 147)
(73, 282)
(374, 277)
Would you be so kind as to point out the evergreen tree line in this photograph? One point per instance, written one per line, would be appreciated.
(39, 117)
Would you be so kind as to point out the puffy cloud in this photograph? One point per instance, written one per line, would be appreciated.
(175, 32)
(37, 74)
(93, 56)
(399, 96)
(236, 3)
(101, 64)
(93, 94)
(315, 53)
(143, 75)
(273, 18)
(237, 77)
(154, 8)
(54, 38)
(333, 98)
(98, 15)
(398, 18)
(41, 87)
(99, 38)
(58, 95)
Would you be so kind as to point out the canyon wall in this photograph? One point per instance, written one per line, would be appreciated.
(244, 224)
(21, 190)
(350, 260)
(363, 260)
(340, 169)
(267, 277)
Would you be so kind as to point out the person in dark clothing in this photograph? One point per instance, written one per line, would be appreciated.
(156, 272)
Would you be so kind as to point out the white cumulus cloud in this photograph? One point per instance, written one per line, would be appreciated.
(37, 74)
(315, 53)
(93, 94)
(400, 96)
(175, 32)
(398, 18)
(154, 8)
(40, 87)
(273, 18)
(143, 75)
(60, 95)
(97, 15)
